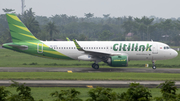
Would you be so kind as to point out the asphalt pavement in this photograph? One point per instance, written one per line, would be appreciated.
(113, 69)
(71, 83)
(80, 83)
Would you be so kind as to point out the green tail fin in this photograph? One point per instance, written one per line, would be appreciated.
(19, 32)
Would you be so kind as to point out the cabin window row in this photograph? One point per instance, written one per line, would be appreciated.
(130, 48)
(82, 47)
(91, 48)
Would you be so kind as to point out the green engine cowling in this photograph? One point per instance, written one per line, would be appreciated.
(118, 61)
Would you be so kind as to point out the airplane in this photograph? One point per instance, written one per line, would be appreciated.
(114, 53)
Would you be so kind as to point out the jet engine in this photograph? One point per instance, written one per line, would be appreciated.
(118, 61)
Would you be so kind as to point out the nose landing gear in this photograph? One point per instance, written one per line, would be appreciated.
(154, 66)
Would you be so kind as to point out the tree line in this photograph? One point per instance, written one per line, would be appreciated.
(106, 28)
(135, 92)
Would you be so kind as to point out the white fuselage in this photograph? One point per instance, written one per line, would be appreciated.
(135, 50)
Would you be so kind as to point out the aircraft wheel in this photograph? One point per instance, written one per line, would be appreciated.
(95, 66)
(153, 67)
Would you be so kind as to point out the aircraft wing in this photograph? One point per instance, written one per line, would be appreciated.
(95, 53)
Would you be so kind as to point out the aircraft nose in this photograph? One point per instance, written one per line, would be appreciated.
(174, 53)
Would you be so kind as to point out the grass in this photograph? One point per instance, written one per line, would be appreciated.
(175, 46)
(44, 92)
(88, 76)
(9, 58)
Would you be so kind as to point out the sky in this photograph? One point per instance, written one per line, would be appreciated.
(116, 8)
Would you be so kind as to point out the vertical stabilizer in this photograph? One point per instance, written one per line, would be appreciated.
(19, 32)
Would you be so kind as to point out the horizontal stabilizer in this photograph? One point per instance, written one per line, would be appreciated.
(22, 47)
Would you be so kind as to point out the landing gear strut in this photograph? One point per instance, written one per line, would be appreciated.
(154, 66)
(95, 66)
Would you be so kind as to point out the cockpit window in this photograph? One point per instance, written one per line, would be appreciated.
(166, 47)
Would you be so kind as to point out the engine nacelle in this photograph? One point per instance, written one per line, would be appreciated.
(118, 61)
(86, 58)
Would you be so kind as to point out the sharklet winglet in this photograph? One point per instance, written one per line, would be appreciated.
(68, 39)
(78, 46)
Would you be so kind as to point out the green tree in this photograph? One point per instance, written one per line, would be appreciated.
(140, 27)
(102, 94)
(105, 35)
(4, 30)
(73, 36)
(143, 26)
(145, 20)
(5, 37)
(168, 87)
(51, 28)
(128, 25)
(28, 18)
(24, 93)
(8, 10)
(176, 40)
(43, 35)
(3, 94)
(136, 92)
(83, 37)
(168, 90)
(120, 37)
(88, 15)
(66, 95)
(106, 15)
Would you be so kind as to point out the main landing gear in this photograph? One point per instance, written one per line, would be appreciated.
(154, 66)
(95, 66)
